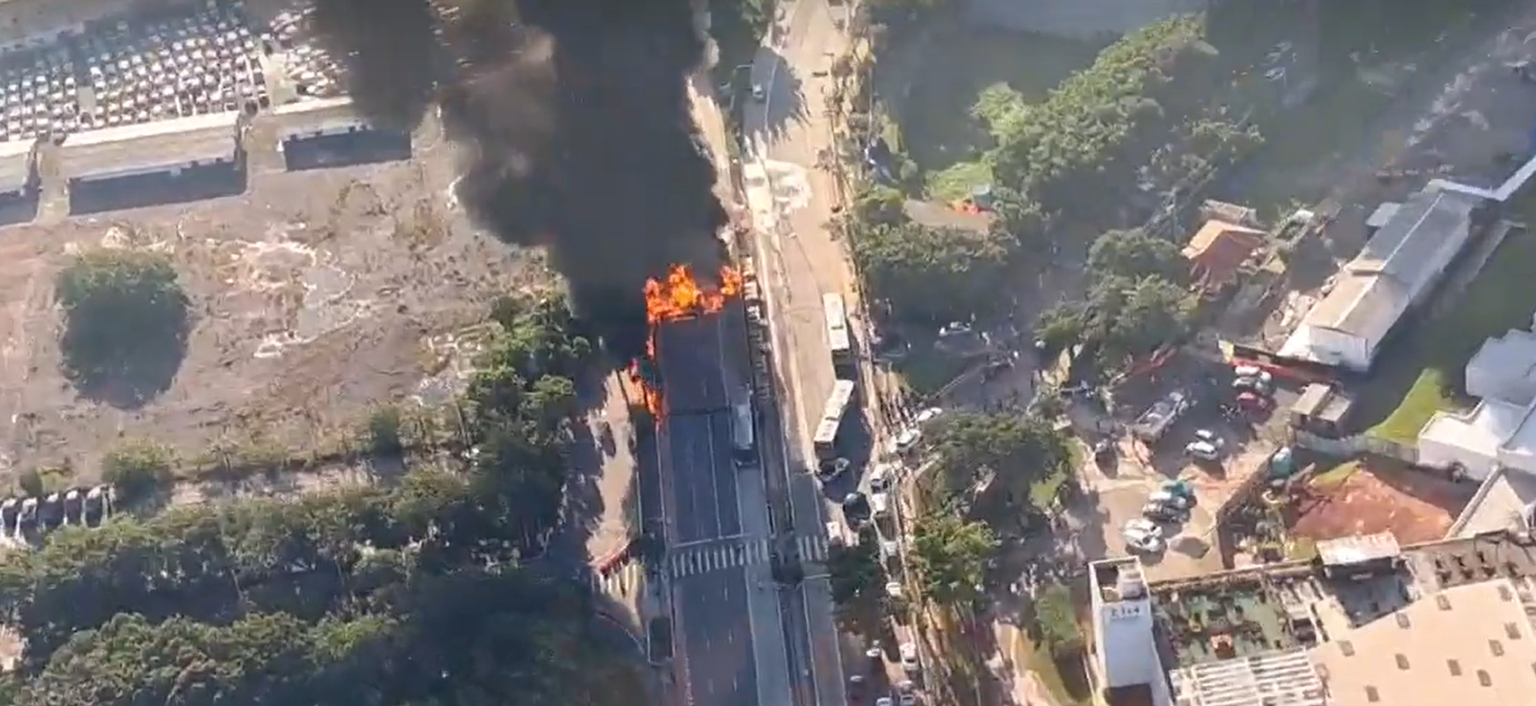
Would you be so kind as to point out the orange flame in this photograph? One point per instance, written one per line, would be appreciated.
(679, 297)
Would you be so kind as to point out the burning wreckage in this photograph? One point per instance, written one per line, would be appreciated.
(676, 298)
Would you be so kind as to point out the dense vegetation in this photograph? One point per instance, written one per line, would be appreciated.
(125, 319)
(410, 595)
(1111, 146)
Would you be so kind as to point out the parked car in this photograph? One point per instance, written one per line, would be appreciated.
(880, 505)
(1253, 385)
(828, 470)
(882, 478)
(1203, 450)
(1103, 452)
(908, 653)
(1143, 535)
(1251, 402)
(1171, 499)
(856, 509)
(906, 441)
(928, 415)
(1210, 437)
(759, 93)
(1162, 512)
(1253, 371)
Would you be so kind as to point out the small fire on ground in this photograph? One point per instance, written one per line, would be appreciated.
(677, 297)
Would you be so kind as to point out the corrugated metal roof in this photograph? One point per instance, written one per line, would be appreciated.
(311, 117)
(15, 164)
(1273, 679)
(1358, 549)
(140, 148)
(1397, 265)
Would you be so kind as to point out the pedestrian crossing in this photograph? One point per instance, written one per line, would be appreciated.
(704, 558)
(691, 560)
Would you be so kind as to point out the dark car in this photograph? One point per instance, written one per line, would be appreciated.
(828, 470)
(1104, 451)
(50, 511)
(856, 508)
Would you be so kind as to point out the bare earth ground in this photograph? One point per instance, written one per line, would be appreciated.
(1413, 505)
(316, 295)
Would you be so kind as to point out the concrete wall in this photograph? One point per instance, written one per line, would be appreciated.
(1077, 18)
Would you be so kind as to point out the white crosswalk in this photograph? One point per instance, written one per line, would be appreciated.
(688, 561)
(697, 559)
(622, 581)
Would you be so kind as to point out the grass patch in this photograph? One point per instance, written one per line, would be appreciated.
(1068, 688)
(939, 79)
(1336, 476)
(925, 372)
(1423, 373)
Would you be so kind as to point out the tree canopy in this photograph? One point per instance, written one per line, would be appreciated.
(1001, 461)
(410, 595)
(949, 557)
(933, 275)
(126, 320)
(858, 584)
(1081, 146)
(1056, 621)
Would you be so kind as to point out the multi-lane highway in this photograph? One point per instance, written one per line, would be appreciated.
(730, 648)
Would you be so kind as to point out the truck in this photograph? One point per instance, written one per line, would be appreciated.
(743, 434)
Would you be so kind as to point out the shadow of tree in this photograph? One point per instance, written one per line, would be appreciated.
(776, 97)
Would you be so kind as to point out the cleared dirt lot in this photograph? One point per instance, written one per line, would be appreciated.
(315, 295)
(1372, 495)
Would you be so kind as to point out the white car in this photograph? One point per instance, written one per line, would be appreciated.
(1210, 437)
(1203, 450)
(882, 478)
(907, 440)
(1173, 500)
(885, 701)
(893, 589)
(909, 657)
(1143, 535)
(1252, 371)
(928, 415)
(759, 93)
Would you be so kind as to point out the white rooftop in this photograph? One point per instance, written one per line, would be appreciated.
(1486, 429)
(1274, 679)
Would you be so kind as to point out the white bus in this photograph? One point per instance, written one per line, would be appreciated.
(825, 440)
(838, 341)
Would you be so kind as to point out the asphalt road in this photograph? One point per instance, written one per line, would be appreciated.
(717, 636)
(698, 452)
(798, 262)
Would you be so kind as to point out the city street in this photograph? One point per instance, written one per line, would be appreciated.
(798, 262)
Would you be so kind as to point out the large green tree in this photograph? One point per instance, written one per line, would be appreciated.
(858, 584)
(1056, 621)
(1017, 455)
(934, 275)
(126, 321)
(949, 557)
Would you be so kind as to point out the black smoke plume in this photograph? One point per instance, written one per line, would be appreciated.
(572, 117)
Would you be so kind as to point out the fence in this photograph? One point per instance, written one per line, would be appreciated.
(1358, 445)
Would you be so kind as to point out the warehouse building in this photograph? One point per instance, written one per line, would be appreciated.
(18, 182)
(1395, 272)
(328, 132)
(170, 161)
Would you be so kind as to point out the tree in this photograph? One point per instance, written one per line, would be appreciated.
(933, 275)
(125, 315)
(1133, 253)
(1123, 318)
(384, 427)
(138, 469)
(1004, 465)
(1056, 621)
(880, 204)
(1082, 144)
(949, 557)
(858, 584)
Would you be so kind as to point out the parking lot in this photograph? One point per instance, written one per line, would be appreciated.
(1132, 468)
